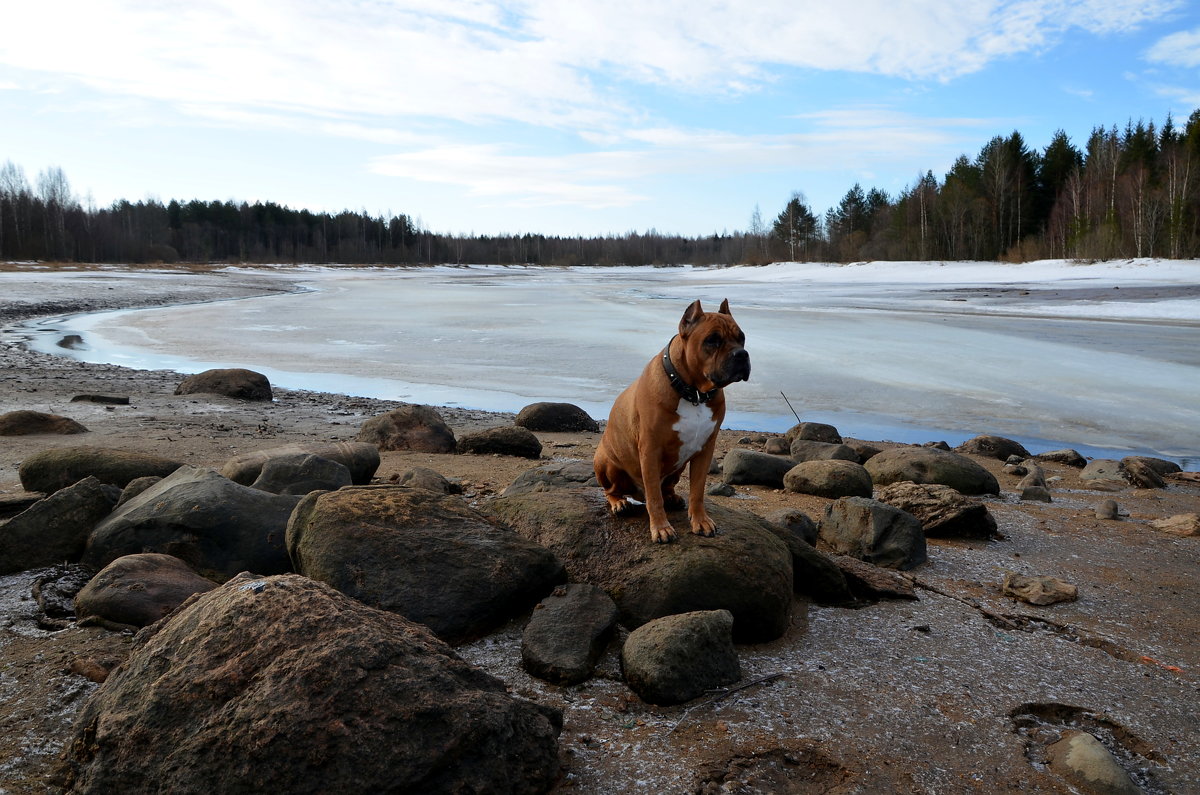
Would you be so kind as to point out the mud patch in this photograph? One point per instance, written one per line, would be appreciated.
(1041, 724)
(800, 768)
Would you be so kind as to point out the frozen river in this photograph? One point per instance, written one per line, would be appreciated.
(1103, 357)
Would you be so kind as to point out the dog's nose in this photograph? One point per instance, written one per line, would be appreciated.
(741, 364)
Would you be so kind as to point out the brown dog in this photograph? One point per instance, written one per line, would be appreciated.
(669, 417)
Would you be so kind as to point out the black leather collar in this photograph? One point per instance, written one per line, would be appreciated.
(685, 390)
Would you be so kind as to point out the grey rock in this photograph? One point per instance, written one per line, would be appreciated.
(427, 556)
(211, 523)
(929, 465)
(567, 634)
(831, 478)
(50, 470)
(418, 428)
(556, 417)
(678, 658)
(1069, 457)
(425, 478)
(55, 589)
(815, 432)
(873, 531)
(807, 450)
(361, 458)
(507, 440)
(721, 490)
(745, 568)
(1102, 469)
(1036, 494)
(28, 423)
(864, 450)
(136, 487)
(138, 590)
(751, 467)
(1108, 510)
(234, 382)
(301, 473)
(797, 522)
(996, 447)
(777, 445)
(55, 529)
(282, 684)
(814, 574)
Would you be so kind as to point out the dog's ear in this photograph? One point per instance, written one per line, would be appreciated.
(690, 318)
(724, 310)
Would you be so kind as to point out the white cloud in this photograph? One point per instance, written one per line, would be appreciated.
(852, 138)
(1177, 49)
(540, 62)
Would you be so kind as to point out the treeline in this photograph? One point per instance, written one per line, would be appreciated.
(47, 222)
(1126, 193)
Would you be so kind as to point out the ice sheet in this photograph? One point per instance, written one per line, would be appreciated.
(1049, 353)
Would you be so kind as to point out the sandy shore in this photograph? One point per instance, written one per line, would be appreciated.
(925, 696)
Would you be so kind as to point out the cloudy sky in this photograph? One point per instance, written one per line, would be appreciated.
(566, 116)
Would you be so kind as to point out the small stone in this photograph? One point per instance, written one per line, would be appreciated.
(1039, 590)
(721, 490)
(1035, 494)
(1108, 510)
(1184, 524)
(1084, 761)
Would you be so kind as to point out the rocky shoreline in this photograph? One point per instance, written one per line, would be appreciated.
(937, 681)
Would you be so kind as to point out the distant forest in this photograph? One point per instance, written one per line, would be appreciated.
(1126, 193)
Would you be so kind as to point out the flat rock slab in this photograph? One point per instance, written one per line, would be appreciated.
(745, 568)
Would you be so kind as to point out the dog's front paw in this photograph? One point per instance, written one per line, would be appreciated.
(662, 534)
(703, 526)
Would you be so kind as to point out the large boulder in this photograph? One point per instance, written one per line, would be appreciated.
(138, 590)
(993, 447)
(285, 685)
(745, 568)
(50, 470)
(211, 523)
(830, 478)
(814, 574)
(796, 521)
(301, 473)
(56, 528)
(567, 633)
(361, 458)
(28, 423)
(427, 556)
(873, 531)
(1103, 469)
(1161, 466)
(930, 465)
(943, 512)
(677, 658)
(418, 428)
(750, 467)
(506, 440)
(234, 382)
(556, 417)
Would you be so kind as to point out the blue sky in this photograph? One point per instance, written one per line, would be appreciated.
(584, 117)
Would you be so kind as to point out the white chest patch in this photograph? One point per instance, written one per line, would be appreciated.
(694, 427)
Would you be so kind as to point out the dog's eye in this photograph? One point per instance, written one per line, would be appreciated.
(713, 341)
